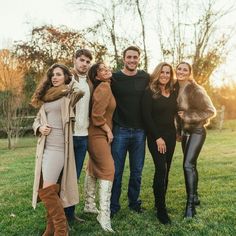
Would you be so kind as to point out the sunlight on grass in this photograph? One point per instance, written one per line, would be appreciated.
(217, 188)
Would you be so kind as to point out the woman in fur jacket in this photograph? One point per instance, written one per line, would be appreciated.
(194, 112)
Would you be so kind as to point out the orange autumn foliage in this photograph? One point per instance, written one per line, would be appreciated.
(11, 73)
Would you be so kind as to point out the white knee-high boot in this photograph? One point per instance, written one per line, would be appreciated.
(89, 193)
(104, 201)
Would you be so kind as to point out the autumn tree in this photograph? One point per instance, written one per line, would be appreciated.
(138, 10)
(11, 84)
(143, 29)
(107, 29)
(194, 34)
(50, 44)
(225, 96)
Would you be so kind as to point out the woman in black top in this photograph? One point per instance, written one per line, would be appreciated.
(159, 108)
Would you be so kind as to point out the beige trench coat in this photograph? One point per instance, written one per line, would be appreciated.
(69, 189)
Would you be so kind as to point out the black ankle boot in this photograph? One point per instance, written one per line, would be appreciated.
(162, 216)
(196, 200)
(190, 210)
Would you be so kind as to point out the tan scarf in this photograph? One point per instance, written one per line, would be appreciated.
(52, 94)
(55, 93)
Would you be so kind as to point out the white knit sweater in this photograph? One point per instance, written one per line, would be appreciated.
(82, 109)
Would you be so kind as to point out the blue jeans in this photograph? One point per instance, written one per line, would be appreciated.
(132, 141)
(80, 148)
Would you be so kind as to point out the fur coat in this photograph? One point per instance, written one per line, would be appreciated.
(197, 106)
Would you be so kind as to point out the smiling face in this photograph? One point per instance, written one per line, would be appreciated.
(183, 72)
(58, 77)
(103, 72)
(131, 60)
(165, 75)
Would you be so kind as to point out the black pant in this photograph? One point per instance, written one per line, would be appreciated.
(192, 143)
(162, 164)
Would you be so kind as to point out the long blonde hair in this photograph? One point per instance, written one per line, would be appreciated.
(155, 76)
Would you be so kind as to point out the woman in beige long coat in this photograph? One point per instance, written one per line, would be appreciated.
(55, 171)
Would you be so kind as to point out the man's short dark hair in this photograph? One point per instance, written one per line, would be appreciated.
(84, 52)
(133, 48)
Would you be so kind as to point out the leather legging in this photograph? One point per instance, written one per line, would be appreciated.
(192, 143)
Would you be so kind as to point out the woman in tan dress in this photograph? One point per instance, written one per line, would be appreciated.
(54, 155)
(100, 164)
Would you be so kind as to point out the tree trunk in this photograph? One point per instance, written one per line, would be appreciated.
(9, 140)
(143, 35)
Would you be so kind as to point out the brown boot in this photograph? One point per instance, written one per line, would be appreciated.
(52, 202)
(49, 231)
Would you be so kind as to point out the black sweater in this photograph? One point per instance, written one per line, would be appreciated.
(128, 92)
(159, 114)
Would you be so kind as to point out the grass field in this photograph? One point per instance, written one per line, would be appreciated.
(217, 188)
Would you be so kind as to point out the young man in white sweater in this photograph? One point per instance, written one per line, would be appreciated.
(82, 62)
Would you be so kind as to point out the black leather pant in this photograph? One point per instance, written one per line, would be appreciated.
(192, 143)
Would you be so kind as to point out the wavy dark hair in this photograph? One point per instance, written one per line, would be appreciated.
(93, 72)
(46, 83)
(154, 81)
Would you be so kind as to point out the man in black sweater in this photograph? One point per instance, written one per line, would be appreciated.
(128, 86)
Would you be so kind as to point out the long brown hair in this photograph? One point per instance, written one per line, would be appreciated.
(189, 67)
(46, 83)
(154, 81)
(93, 72)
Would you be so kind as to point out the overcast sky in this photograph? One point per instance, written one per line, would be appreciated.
(17, 17)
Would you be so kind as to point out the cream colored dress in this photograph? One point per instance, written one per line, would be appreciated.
(53, 156)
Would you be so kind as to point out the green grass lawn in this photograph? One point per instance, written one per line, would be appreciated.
(217, 188)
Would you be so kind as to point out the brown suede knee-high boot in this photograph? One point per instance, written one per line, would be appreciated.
(52, 202)
(49, 231)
